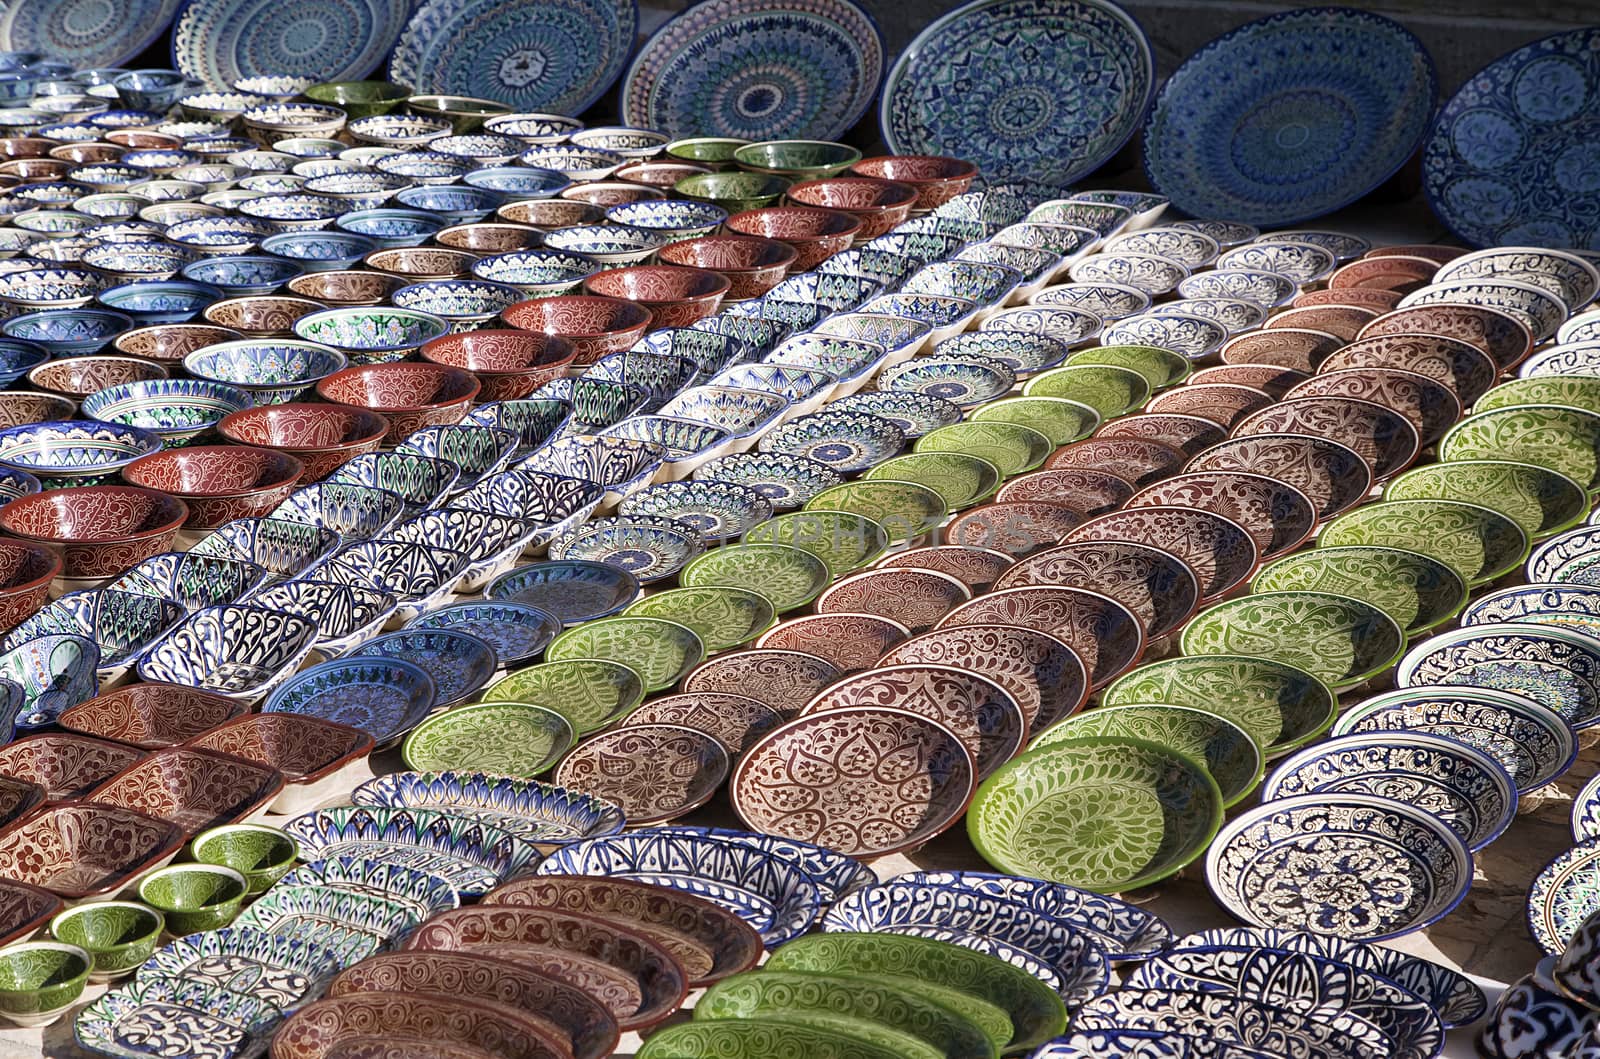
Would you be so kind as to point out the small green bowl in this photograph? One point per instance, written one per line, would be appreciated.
(194, 897)
(733, 191)
(715, 151)
(40, 980)
(360, 99)
(118, 935)
(464, 113)
(797, 159)
(262, 854)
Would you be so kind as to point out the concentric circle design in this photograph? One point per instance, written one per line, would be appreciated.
(805, 69)
(1515, 155)
(1291, 116)
(221, 41)
(85, 33)
(1028, 89)
(555, 56)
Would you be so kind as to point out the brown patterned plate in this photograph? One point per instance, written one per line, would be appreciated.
(1223, 403)
(1460, 365)
(1188, 434)
(851, 642)
(1298, 350)
(1045, 676)
(309, 751)
(735, 721)
(661, 981)
(1334, 476)
(714, 940)
(1432, 407)
(1398, 274)
(978, 710)
(65, 765)
(1379, 301)
(192, 788)
(977, 568)
(1104, 633)
(1267, 377)
(1341, 321)
(1154, 583)
(387, 1047)
(1135, 460)
(655, 772)
(1437, 252)
(563, 1011)
(1501, 335)
(1216, 548)
(1384, 438)
(784, 680)
(1016, 527)
(421, 1021)
(1093, 492)
(916, 599)
(151, 716)
(1278, 517)
(863, 782)
(85, 849)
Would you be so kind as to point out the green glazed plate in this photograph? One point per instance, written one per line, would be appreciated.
(1574, 391)
(793, 994)
(660, 651)
(1543, 502)
(1416, 590)
(1477, 542)
(591, 693)
(960, 478)
(1102, 813)
(789, 577)
(1109, 390)
(1231, 754)
(1037, 1012)
(1160, 367)
(501, 738)
(1340, 640)
(776, 1039)
(1010, 447)
(1554, 436)
(843, 540)
(1057, 418)
(722, 616)
(1280, 706)
(907, 510)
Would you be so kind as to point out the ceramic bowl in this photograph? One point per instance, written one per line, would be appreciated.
(486, 237)
(99, 530)
(391, 228)
(538, 273)
(354, 511)
(150, 716)
(27, 569)
(550, 214)
(814, 234)
(239, 652)
(318, 251)
(219, 483)
(879, 204)
(733, 191)
(263, 855)
(594, 325)
(260, 315)
(119, 936)
(797, 159)
(167, 302)
(321, 437)
(359, 99)
(194, 897)
(371, 335)
(464, 113)
(675, 295)
(40, 980)
(178, 411)
(752, 265)
(270, 371)
(408, 396)
(466, 303)
(77, 377)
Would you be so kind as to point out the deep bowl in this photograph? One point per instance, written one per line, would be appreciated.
(346, 287)
(372, 335)
(178, 411)
(594, 325)
(321, 436)
(219, 482)
(26, 570)
(260, 315)
(936, 178)
(360, 99)
(733, 191)
(409, 396)
(77, 377)
(18, 357)
(40, 980)
(73, 451)
(751, 264)
(509, 364)
(815, 234)
(879, 205)
(119, 936)
(19, 407)
(194, 897)
(262, 854)
(675, 295)
(272, 371)
(165, 302)
(170, 343)
(99, 530)
(797, 159)
(539, 273)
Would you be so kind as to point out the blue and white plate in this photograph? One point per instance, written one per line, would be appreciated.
(1191, 336)
(168, 1014)
(1511, 158)
(650, 547)
(717, 511)
(572, 590)
(120, 624)
(353, 925)
(557, 56)
(473, 856)
(392, 882)
(276, 968)
(844, 441)
(1026, 89)
(223, 41)
(518, 632)
(538, 812)
(346, 615)
(785, 481)
(281, 547)
(85, 33)
(383, 697)
(1232, 1019)
(459, 663)
(836, 874)
(1108, 301)
(55, 672)
(1563, 895)
(1291, 116)
(1554, 666)
(757, 71)
(967, 380)
(914, 413)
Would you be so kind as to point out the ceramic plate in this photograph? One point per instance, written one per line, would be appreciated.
(722, 616)
(1105, 634)
(1555, 666)
(1277, 516)
(221, 41)
(849, 642)
(789, 577)
(1384, 438)
(661, 652)
(906, 510)
(1044, 675)
(1216, 548)
(1234, 1020)
(654, 772)
(538, 812)
(517, 739)
(1341, 641)
(1479, 544)
(843, 540)
(1417, 591)
(1554, 436)
(784, 680)
(961, 479)
(1138, 461)
(591, 693)
(1328, 472)
(1542, 501)
(1158, 587)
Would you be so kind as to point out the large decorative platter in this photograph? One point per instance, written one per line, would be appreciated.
(1478, 543)
(223, 41)
(655, 772)
(85, 33)
(1215, 547)
(1564, 439)
(1027, 90)
(1335, 476)
(1542, 501)
(1263, 1029)
(1459, 364)
(805, 70)
(1563, 895)
(1045, 676)
(556, 57)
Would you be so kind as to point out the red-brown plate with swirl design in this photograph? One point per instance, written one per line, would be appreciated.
(656, 772)
(1432, 407)
(1160, 588)
(977, 568)
(1094, 492)
(916, 599)
(1501, 335)
(314, 1032)
(1044, 675)
(784, 680)
(1104, 633)
(851, 642)
(1136, 460)
(1384, 438)
(1278, 517)
(1216, 548)
(1460, 365)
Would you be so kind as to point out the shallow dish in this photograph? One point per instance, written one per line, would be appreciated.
(239, 652)
(1478, 543)
(1417, 591)
(1562, 438)
(515, 739)
(790, 577)
(1340, 640)
(1542, 501)
(94, 849)
(192, 788)
(573, 591)
(843, 540)
(313, 756)
(537, 812)
(722, 616)
(1503, 656)
(660, 651)
(150, 716)
(848, 642)
(472, 855)
(1333, 475)
(384, 698)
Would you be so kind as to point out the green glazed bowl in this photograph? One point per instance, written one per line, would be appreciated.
(1012, 448)
(1555, 436)
(1110, 390)
(797, 159)
(40, 980)
(789, 577)
(1061, 420)
(843, 540)
(1419, 592)
(721, 615)
(906, 510)
(1543, 502)
(119, 936)
(516, 739)
(1342, 641)
(660, 651)
(262, 854)
(360, 99)
(1574, 391)
(960, 478)
(714, 151)
(1160, 367)
(464, 113)
(194, 897)
(734, 192)
(765, 1038)
(1477, 542)
(591, 693)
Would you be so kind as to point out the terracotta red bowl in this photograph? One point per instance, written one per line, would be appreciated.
(20, 407)
(78, 377)
(261, 315)
(661, 175)
(409, 396)
(490, 237)
(751, 264)
(415, 263)
(936, 178)
(613, 193)
(321, 436)
(219, 482)
(878, 204)
(677, 295)
(170, 343)
(594, 325)
(551, 213)
(816, 234)
(509, 364)
(99, 530)
(26, 570)
(346, 287)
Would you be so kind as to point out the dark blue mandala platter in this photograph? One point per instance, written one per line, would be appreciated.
(223, 41)
(85, 33)
(803, 69)
(1041, 90)
(1291, 116)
